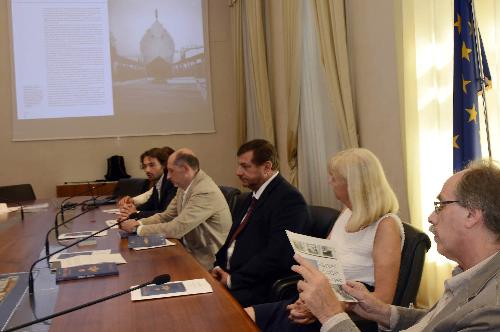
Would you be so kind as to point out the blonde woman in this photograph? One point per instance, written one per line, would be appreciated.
(368, 237)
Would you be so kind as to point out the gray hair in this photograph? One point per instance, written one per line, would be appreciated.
(479, 189)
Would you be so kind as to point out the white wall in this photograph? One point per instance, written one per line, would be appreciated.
(374, 58)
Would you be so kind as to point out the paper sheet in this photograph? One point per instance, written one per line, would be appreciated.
(171, 289)
(167, 243)
(78, 235)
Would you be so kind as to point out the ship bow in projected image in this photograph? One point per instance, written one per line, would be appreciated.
(157, 51)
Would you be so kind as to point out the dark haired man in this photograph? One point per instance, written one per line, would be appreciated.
(199, 214)
(466, 225)
(154, 164)
(256, 252)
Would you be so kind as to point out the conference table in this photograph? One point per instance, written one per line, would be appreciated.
(22, 242)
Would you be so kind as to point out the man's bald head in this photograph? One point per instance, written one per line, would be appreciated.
(187, 157)
(182, 167)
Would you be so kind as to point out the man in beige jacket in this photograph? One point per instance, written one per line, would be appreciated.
(198, 214)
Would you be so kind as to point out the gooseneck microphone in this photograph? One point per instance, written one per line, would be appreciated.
(31, 281)
(57, 225)
(60, 212)
(65, 206)
(161, 279)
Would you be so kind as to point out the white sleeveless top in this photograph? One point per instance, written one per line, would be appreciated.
(355, 250)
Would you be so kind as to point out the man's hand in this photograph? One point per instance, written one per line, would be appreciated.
(220, 275)
(368, 307)
(315, 291)
(300, 314)
(129, 225)
(127, 209)
(125, 200)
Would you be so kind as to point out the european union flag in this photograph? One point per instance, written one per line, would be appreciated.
(466, 85)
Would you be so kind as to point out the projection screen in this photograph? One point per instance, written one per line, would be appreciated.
(97, 68)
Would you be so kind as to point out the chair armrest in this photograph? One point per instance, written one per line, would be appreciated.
(285, 288)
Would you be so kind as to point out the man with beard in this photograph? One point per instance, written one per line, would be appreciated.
(155, 200)
(198, 215)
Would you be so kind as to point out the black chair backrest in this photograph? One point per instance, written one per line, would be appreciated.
(416, 245)
(231, 194)
(17, 193)
(131, 187)
(322, 218)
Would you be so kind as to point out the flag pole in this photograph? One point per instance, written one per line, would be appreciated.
(479, 59)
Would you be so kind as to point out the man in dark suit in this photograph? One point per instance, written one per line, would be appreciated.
(156, 200)
(256, 252)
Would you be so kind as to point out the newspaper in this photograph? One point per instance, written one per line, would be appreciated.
(321, 254)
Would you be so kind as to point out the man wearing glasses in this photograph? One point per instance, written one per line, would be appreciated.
(466, 228)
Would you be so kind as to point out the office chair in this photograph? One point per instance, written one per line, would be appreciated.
(130, 187)
(231, 195)
(17, 193)
(416, 245)
(322, 220)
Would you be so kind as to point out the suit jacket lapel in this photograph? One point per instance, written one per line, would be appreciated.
(184, 196)
(265, 196)
(163, 188)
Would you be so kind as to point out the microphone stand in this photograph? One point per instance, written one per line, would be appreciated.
(56, 224)
(31, 281)
(91, 188)
(86, 191)
(161, 279)
(22, 211)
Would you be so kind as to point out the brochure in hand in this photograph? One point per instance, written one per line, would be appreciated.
(321, 254)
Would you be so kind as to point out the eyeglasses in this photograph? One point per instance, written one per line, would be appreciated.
(439, 205)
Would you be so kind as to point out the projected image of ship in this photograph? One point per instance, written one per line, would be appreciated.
(157, 51)
(159, 59)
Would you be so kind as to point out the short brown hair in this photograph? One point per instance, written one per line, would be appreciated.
(262, 151)
(161, 154)
(479, 188)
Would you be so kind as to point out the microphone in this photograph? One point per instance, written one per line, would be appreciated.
(56, 224)
(159, 280)
(64, 206)
(31, 281)
(74, 205)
